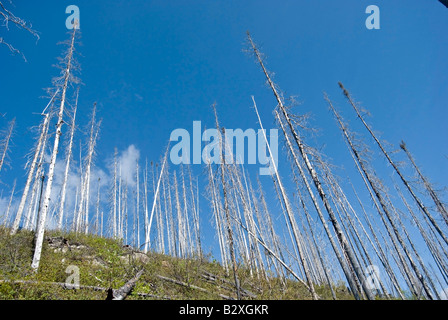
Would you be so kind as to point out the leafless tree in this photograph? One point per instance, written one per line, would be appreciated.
(393, 164)
(67, 75)
(435, 197)
(5, 143)
(7, 17)
(375, 184)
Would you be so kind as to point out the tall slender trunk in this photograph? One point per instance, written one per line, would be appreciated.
(6, 217)
(226, 208)
(67, 165)
(6, 142)
(34, 163)
(156, 195)
(439, 204)
(34, 201)
(114, 197)
(352, 281)
(92, 142)
(288, 208)
(97, 224)
(137, 205)
(217, 214)
(397, 170)
(341, 236)
(44, 210)
(380, 198)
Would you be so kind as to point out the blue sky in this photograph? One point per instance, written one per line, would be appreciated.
(155, 66)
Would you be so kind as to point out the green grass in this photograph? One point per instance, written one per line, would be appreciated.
(105, 263)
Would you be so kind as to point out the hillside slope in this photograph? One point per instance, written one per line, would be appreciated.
(105, 266)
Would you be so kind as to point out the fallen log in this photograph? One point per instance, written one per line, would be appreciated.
(213, 278)
(73, 287)
(60, 284)
(123, 292)
(184, 284)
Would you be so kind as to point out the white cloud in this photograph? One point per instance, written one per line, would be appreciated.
(127, 163)
(127, 159)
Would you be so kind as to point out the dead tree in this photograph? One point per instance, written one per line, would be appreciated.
(6, 142)
(46, 204)
(375, 185)
(376, 245)
(137, 205)
(351, 278)
(35, 200)
(156, 196)
(7, 17)
(124, 291)
(97, 223)
(226, 205)
(216, 205)
(439, 204)
(114, 197)
(6, 215)
(195, 205)
(85, 191)
(392, 163)
(34, 163)
(289, 211)
(67, 164)
(341, 236)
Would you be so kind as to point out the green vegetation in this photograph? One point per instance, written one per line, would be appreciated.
(105, 263)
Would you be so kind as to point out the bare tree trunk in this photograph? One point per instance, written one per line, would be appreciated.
(381, 200)
(226, 208)
(352, 281)
(180, 226)
(156, 195)
(114, 197)
(34, 163)
(217, 214)
(6, 141)
(34, 201)
(288, 208)
(67, 165)
(439, 204)
(405, 182)
(6, 217)
(341, 237)
(92, 142)
(97, 224)
(43, 213)
(137, 205)
(195, 216)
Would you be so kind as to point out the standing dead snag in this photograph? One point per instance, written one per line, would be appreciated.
(392, 163)
(156, 195)
(46, 204)
(348, 252)
(67, 164)
(376, 189)
(34, 163)
(439, 204)
(92, 142)
(6, 17)
(226, 206)
(290, 214)
(216, 204)
(352, 281)
(6, 141)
